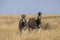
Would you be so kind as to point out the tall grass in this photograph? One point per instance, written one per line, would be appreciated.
(9, 29)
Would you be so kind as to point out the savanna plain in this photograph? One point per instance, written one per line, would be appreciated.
(50, 28)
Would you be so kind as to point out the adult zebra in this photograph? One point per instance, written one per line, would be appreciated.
(35, 23)
(22, 22)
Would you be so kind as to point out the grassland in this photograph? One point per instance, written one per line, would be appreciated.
(9, 29)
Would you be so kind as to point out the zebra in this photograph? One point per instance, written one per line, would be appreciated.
(22, 22)
(35, 23)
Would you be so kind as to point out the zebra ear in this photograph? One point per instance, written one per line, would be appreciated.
(39, 14)
(24, 15)
(21, 15)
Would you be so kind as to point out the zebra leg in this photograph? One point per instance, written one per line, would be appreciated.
(29, 29)
(38, 26)
(21, 29)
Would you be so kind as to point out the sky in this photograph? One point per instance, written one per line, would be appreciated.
(29, 6)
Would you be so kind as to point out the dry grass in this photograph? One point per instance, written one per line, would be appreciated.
(9, 29)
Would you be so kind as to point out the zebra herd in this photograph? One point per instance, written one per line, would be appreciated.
(32, 23)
